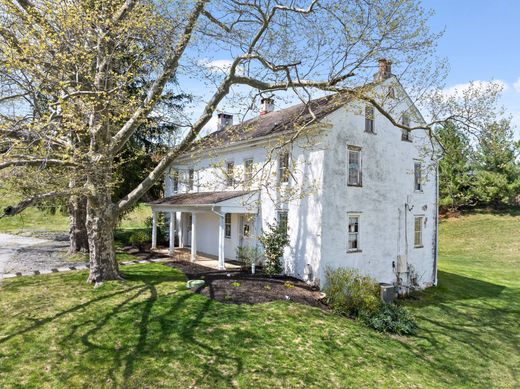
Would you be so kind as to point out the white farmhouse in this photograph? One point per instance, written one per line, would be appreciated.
(353, 189)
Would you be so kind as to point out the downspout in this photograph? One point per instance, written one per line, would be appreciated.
(436, 249)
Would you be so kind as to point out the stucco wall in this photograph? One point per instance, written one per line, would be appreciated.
(318, 216)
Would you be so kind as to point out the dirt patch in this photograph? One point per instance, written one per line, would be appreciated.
(238, 287)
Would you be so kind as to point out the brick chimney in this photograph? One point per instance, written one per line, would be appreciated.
(385, 70)
(267, 105)
(224, 120)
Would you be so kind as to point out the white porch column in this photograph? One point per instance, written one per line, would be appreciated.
(154, 230)
(221, 264)
(193, 236)
(172, 232)
(180, 227)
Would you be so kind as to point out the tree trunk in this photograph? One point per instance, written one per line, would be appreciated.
(78, 230)
(100, 228)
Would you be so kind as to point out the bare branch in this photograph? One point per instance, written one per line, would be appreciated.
(16, 209)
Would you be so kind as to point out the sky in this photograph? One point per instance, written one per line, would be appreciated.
(481, 42)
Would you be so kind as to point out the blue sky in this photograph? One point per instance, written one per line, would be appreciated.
(481, 42)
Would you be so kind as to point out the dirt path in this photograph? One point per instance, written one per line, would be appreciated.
(23, 254)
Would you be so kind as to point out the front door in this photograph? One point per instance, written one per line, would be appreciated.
(246, 230)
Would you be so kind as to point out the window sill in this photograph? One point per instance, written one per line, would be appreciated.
(227, 237)
(356, 185)
(418, 247)
(418, 191)
(407, 140)
(371, 132)
(354, 251)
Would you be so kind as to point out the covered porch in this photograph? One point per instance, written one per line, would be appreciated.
(208, 226)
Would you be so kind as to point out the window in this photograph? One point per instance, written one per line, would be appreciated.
(283, 220)
(391, 92)
(227, 225)
(248, 171)
(230, 173)
(354, 166)
(405, 134)
(369, 119)
(191, 176)
(353, 233)
(175, 181)
(247, 230)
(283, 168)
(418, 177)
(418, 229)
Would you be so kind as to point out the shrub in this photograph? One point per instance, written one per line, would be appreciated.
(390, 318)
(247, 256)
(274, 242)
(348, 292)
(139, 239)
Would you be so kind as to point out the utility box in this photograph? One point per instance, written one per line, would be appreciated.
(402, 264)
(387, 292)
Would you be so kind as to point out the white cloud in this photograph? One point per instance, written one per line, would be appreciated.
(218, 65)
(458, 89)
(516, 85)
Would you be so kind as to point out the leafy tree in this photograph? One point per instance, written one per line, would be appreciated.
(455, 168)
(497, 171)
(81, 56)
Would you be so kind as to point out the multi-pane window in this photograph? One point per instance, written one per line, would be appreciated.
(354, 166)
(283, 168)
(191, 178)
(283, 220)
(405, 134)
(175, 181)
(227, 225)
(353, 233)
(417, 176)
(230, 173)
(418, 231)
(248, 171)
(369, 119)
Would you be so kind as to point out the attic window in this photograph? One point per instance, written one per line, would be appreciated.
(405, 134)
(369, 119)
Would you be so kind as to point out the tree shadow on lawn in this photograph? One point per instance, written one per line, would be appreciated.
(148, 320)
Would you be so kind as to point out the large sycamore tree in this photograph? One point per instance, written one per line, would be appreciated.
(67, 110)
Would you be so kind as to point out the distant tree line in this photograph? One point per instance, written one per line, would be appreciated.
(483, 172)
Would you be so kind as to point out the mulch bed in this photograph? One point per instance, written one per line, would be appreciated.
(239, 287)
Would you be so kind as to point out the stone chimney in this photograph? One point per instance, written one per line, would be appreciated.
(267, 105)
(385, 70)
(224, 120)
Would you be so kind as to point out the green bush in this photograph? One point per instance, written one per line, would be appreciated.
(348, 292)
(390, 318)
(247, 256)
(139, 239)
(274, 242)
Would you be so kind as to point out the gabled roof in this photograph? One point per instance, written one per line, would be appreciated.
(199, 198)
(275, 122)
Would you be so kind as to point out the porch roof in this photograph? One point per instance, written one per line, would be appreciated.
(232, 201)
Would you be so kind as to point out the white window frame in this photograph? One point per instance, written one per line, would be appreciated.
(370, 124)
(230, 176)
(284, 219)
(283, 167)
(248, 173)
(417, 177)
(191, 179)
(357, 233)
(418, 221)
(175, 180)
(406, 135)
(227, 226)
(359, 180)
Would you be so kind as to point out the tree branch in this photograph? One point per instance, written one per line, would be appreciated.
(16, 209)
(35, 162)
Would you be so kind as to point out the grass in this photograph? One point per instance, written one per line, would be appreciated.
(57, 331)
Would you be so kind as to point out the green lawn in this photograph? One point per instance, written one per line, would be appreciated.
(57, 331)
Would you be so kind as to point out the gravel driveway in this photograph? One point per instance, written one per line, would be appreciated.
(25, 254)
